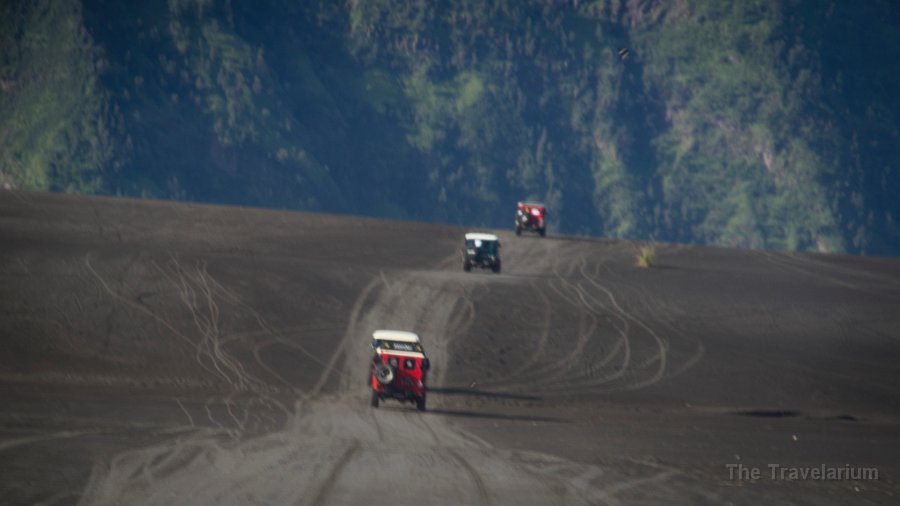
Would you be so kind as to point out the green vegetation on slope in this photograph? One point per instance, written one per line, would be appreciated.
(56, 122)
(750, 124)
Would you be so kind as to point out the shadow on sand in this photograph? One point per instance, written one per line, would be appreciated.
(472, 392)
(494, 416)
(480, 414)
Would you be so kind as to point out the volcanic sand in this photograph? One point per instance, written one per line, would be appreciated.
(170, 353)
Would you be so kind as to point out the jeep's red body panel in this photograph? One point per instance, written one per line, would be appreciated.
(533, 210)
(409, 377)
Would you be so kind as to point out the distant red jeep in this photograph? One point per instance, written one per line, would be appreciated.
(531, 216)
(399, 368)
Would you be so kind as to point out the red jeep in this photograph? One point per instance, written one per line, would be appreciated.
(530, 216)
(399, 368)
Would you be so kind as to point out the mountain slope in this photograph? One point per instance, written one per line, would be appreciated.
(758, 124)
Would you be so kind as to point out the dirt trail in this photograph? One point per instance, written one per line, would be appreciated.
(337, 450)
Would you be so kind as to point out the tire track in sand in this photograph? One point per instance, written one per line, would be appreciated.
(483, 497)
(328, 484)
(376, 449)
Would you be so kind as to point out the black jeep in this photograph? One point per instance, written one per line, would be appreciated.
(481, 250)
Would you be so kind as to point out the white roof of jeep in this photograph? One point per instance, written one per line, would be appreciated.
(483, 237)
(396, 335)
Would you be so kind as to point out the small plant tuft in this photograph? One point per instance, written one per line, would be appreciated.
(646, 256)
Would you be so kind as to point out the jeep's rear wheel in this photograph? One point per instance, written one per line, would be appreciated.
(496, 267)
(542, 231)
(374, 399)
(518, 230)
(467, 266)
(420, 403)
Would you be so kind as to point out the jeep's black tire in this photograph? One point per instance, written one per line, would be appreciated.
(496, 267)
(384, 374)
(467, 266)
(518, 230)
(542, 231)
(420, 403)
(374, 399)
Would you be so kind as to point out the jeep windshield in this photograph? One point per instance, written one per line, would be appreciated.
(485, 247)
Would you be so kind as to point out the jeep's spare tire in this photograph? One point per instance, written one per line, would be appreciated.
(384, 374)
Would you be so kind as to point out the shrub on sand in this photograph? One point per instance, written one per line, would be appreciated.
(646, 256)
